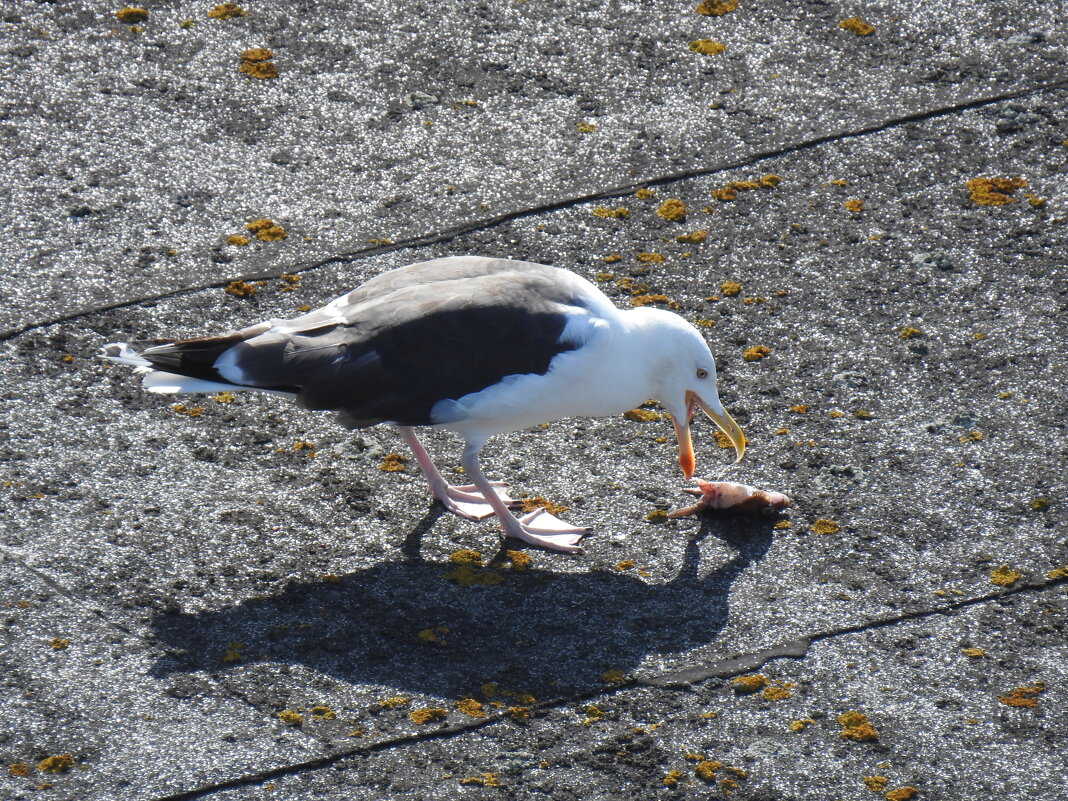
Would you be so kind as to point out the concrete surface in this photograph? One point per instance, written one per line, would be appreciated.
(175, 579)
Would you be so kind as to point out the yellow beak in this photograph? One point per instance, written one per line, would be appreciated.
(726, 424)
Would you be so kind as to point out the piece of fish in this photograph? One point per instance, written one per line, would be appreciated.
(731, 496)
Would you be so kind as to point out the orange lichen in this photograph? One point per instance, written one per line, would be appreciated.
(624, 564)
(59, 643)
(706, 769)
(471, 707)
(973, 653)
(645, 300)
(239, 289)
(671, 779)
(853, 205)
(755, 353)
(777, 692)
(227, 11)
(237, 240)
(603, 212)
(129, 15)
(485, 780)
(749, 684)
(267, 230)
(290, 718)
(770, 181)
(704, 322)
(722, 440)
(257, 54)
(693, 238)
(801, 408)
(824, 526)
(800, 725)
(657, 516)
(856, 25)
(262, 70)
(585, 127)
(650, 258)
(520, 561)
(427, 714)
(707, 47)
(613, 676)
(60, 763)
(875, 783)
(908, 332)
(20, 769)
(644, 193)
(394, 702)
(782, 524)
(642, 415)
(855, 727)
(716, 8)
(730, 288)
(725, 193)
(993, 191)
(224, 397)
(900, 794)
(673, 210)
(1039, 504)
(1005, 576)
(537, 501)
(322, 712)
(1057, 573)
(518, 713)
(393, 463)
(188, 411)
(1026, 696)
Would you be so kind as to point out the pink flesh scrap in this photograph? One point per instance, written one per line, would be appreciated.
(733, 497)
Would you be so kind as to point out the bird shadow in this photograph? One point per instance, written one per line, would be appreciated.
(411, 626)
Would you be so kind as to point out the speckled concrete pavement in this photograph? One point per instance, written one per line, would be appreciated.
(221, 598)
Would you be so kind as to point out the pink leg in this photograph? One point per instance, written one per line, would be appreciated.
(466, 501)
(538, 528)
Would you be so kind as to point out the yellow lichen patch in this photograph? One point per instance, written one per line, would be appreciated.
(742, 186)
(530, 504)
(706, 769)
(1039, 504)
(393, 463)
(237, 240)
(782, 524)
(469, 575)
(908, 332)
(624, 564)
(650, 258)
(777, 692)
(59, 643)
(728, 784)
(856, 25)
(801, 408)
(704, 322)
(1035, 201)
(770, 181)
(673, 210)
(227, 11)
(855, 727)
(470, 707)
(973, 653)
(752, 300)
(707, 47)
(1026, 696)
(875, 783)
(749, 684)
(864, 414)
(223, 397)
(646, 300)
(730, 288)
(800, 725)
(853, 205)
(60, 763)
(19, 769)
(1004, 576)
(290, 718)
(993, 191)
(322, 712)
(755, 353)
(240, 289)
(256, 63)
(716, 8)
(693, 238)
(233, 652)
(427, 714)
(725, 194)
(466, 556)
(657, 516)
(266, 230)
(130, 15)
(824, 526)
(394, 702)
(1057, 573)
(671, 778)
(519, 713)
(188, 411)
(642, 415)
(485, 780)
(604, 212)
(900, 794)
(585, 127)
(644, 193)
(722, 440)
(971, 436)
(613, 676)
(430, 635)
(519, 560)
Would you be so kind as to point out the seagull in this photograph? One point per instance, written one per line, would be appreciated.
(477, 346)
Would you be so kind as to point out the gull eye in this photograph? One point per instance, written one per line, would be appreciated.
(702, 372)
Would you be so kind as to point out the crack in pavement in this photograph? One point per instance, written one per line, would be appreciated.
(683, 679)
(446, 234)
